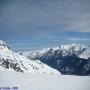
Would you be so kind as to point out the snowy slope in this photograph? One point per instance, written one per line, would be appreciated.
(10, 61)
(43, 82)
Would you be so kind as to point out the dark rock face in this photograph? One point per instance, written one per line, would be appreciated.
(10, 64)
(70, 64)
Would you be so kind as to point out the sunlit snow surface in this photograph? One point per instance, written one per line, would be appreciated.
(27, 81)
(26, 65)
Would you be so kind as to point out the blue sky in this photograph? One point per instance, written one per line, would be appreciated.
(28, 24)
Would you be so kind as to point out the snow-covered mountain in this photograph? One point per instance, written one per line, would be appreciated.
(81, 51)
(11, 61)
(68, 59)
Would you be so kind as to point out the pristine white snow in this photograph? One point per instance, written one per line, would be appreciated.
(81, 51)
(27, 81)
(25, 64)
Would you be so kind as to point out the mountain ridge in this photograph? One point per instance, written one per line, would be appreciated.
(73, 59)
(10, 61)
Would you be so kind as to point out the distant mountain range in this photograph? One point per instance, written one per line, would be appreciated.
(73, 59)
(11, 61)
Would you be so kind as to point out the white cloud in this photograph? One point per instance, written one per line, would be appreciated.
(78, 39)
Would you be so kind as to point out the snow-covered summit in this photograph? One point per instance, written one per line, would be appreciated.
(73, 59)
(11, 61)
(81, 51)
(2, 44)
